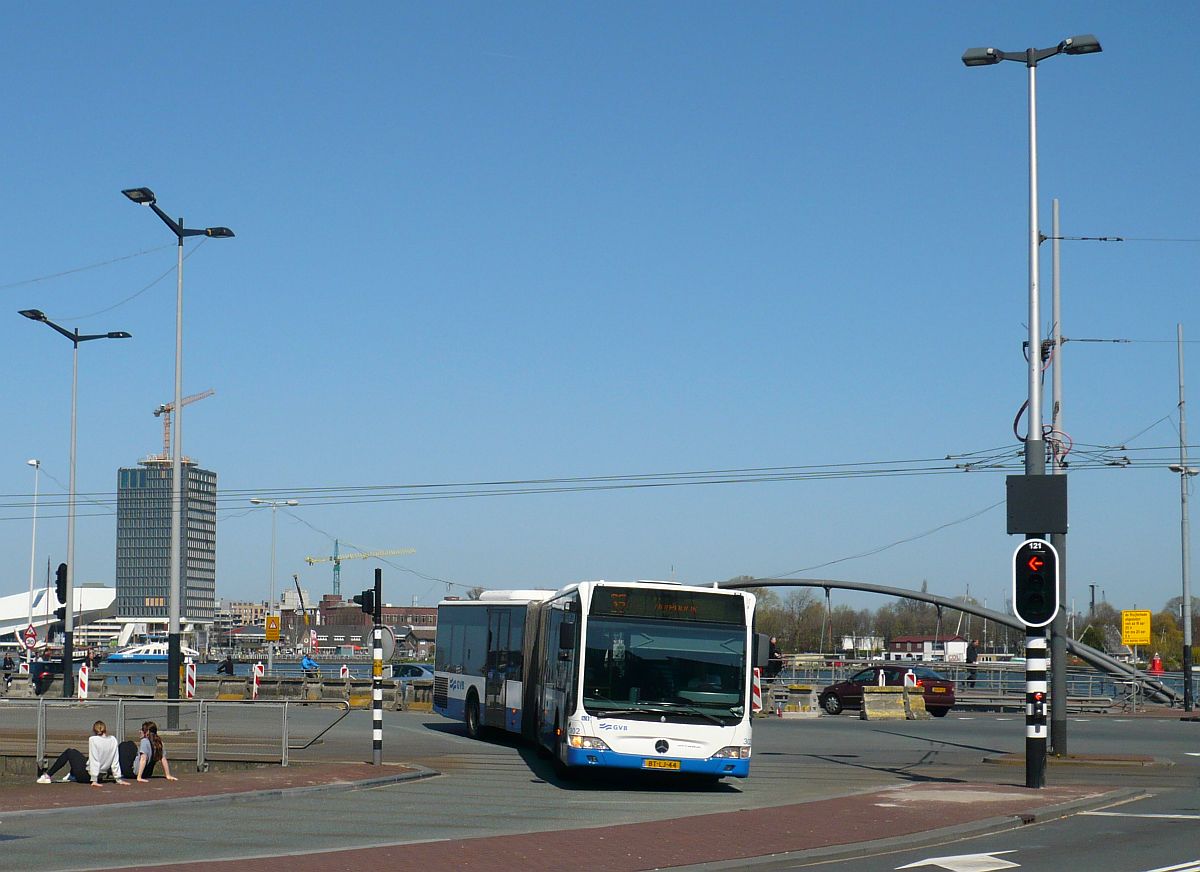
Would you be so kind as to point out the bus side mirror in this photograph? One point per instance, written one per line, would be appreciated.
(762, 650)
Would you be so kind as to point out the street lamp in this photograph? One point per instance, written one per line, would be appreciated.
(1185, 536)
(37, 467)
(145, 197)
(274, 504)
(1035, 450)
(69, 614)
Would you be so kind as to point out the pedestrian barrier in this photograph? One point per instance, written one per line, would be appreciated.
(883, 704)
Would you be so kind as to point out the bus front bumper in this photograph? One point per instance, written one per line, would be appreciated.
(732, 767)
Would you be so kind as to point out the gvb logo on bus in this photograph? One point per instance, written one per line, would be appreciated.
(1035, 582)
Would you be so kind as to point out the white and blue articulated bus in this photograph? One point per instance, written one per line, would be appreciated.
(645, 675)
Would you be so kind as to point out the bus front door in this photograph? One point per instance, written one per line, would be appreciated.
(499, 634)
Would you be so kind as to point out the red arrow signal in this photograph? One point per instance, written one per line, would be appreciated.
(1036, 563)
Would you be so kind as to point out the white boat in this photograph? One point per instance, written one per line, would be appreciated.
(149, 652)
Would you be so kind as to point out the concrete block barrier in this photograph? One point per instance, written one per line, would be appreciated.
(801, 702)
(914, 705)
(883, 704)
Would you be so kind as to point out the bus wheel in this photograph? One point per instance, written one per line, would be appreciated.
(474, 729)
(561, 769)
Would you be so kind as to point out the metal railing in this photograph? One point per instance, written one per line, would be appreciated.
(194, 711)
(1087, 688)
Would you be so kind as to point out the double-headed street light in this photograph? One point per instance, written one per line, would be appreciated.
(274, 504)
(1035, 448)
(145, 197)
(69, 615)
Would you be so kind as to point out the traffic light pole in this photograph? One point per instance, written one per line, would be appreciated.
(1036, 603)
(377, 675)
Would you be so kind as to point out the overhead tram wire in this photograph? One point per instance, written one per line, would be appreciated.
(79, 269)
(1093, 457)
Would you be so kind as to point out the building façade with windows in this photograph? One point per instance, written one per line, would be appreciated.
(143, 576)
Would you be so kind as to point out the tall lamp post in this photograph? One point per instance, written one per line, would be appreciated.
(37, 467)
(1185, 534)
(1035, 448)
(69, 614)
(274, 504)
(145, 197)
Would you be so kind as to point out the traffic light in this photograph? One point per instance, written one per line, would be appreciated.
(366, 601)
(1035, 582)
(60, 582)
(61, 613)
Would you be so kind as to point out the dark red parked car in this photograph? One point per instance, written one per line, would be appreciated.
(939, 690)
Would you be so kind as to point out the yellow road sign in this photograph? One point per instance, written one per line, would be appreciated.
(272, 633)
(1135, 627)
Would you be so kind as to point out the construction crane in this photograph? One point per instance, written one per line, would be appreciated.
(337, 559)
(165, 411)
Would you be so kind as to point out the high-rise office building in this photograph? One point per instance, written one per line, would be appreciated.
(143, 578)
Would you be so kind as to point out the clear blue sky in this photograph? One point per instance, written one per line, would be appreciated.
(546, 241)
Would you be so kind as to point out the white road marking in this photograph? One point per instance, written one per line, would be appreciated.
(1192, 753)
(1190, 866)
(1170, 817)
(967, 862)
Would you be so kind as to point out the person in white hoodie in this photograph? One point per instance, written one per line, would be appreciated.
(101, 758)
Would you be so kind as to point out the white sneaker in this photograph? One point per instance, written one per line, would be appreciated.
(44, 778)
(67, 777)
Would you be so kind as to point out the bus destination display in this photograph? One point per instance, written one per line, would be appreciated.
(668, 604)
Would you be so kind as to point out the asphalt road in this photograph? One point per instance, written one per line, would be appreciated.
(501, 787)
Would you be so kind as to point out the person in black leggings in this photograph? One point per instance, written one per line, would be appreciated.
(102, 755)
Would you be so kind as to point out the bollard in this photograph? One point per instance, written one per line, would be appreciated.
(256, 678)
(345, 671)
(190, 679)
(755, 691)
(83, 681)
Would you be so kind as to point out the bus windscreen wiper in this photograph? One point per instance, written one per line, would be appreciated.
(658, 708)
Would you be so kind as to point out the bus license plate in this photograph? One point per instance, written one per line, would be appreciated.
(939, 690)
(660, 764)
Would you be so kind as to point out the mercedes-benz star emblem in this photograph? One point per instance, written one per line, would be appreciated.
(661, 746)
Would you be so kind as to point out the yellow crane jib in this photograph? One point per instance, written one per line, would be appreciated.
(165, 411)
(352, 555)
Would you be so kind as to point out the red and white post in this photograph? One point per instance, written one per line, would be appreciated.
(190, 679)
(256, 679)
(82, 688)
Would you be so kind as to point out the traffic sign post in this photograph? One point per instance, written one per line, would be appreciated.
(1135, 627)
(30, 638)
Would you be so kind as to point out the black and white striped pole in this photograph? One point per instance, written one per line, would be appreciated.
(1035, 709)
(1035, 601)
(377, 675)
(371, 602)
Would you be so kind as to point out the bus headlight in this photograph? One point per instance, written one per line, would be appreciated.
(589, 743)
(733, 752)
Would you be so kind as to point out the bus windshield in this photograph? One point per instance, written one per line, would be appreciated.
(644, 667)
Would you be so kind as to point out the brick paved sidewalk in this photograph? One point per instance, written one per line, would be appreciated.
(913, 812)
(29, 797)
